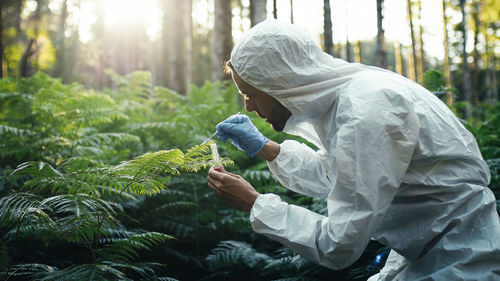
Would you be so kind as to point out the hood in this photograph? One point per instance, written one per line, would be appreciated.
(283, 61)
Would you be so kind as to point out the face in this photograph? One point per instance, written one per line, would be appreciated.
(263, 104)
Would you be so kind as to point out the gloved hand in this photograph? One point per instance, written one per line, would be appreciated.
(242, 133)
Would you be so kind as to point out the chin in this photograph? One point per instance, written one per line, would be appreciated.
(277, 127)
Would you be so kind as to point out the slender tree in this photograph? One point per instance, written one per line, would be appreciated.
(60, 43)
(467, 87)
(381, 54)
(328, 27)
(414, 75)
(476, 7)
(1, 43)
(275, 10)
(491, 77)
(446, 63)
(420, 53)
(357, 52)
(177, 43)
(348, 54)
(25, 61)
(398, 56)
(291, 11)
(257, 11)
(222, 41)
(410, 63)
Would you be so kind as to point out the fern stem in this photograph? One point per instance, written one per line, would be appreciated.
(130, 182)
(96, 239)
(197, 225)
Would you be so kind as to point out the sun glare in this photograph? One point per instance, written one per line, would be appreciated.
(121, 15)
(349, 17)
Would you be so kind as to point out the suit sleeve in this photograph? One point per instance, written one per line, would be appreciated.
(300, 168)
(371, 153)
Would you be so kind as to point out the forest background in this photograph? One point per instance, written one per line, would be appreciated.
(103, 105)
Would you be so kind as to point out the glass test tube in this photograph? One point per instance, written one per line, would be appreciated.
(215, 154)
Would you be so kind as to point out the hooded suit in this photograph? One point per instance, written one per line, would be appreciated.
(392, 162)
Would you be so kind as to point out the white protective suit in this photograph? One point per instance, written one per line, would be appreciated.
(393, 162)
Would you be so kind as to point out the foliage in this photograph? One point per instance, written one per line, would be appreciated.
(485, 126)
(110, 185)
(67, 201)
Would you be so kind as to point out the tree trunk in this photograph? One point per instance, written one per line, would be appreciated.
(466, 77)
(493, 73)
(1, 42)
(222, 40)
(420, 54)
(413, 47)
(188, 42)
(18, 10)
(166, 43)
(60, 51)
(491, 79)
(177, 44)
(357, 52)
(398, 58)
(475, 54)
(381, 56)
(291, 11)
(328, 27)
(275, 10)
(348, 55)
(24, 62)
(410, 64)
(257, 11)
(446, 63)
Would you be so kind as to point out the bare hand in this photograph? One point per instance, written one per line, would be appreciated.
(232, 188)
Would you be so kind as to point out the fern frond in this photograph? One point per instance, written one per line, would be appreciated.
(6, 130)
(196, 158)
(78, 204)
(115, 234)
(144, 270)
(259, 177)
(179, 229)
(229, 253)
(37, 170)
(19, 206)
(85, 227)
(151, 125)
(100, 138)
(14, 95)
(89, 272)
(163, 161)
(171, 206)
(78, 163)
(126, 250)
(25, 271)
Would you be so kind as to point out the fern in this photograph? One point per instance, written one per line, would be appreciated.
(230, 253)
(18, 132)
(126, 249)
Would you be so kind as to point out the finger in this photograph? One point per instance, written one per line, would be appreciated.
(236, 118)
(222, 136)
(214, 175)
(231, 128)
(213, 188)
(233, 175)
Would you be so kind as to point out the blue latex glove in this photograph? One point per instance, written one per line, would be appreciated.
(242, 133)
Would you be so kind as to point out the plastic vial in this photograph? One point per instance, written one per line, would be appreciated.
(215, 154)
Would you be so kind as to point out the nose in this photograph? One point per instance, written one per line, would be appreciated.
(250, 106)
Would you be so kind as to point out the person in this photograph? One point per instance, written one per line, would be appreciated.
(392, 162)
